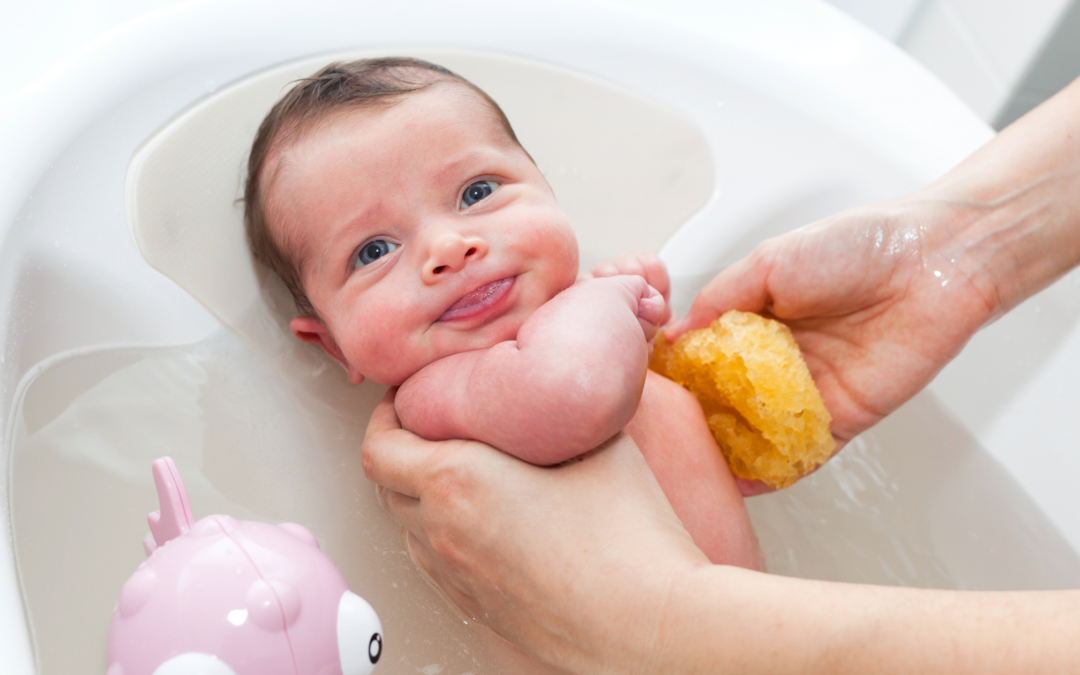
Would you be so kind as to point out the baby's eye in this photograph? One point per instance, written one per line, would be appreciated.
(477, 191)
(373, 250)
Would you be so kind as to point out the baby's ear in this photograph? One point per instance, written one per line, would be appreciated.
(310, 329)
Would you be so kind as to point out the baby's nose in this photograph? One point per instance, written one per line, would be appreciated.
(451, 252)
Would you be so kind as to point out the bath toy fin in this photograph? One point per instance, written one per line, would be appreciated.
(174, 517)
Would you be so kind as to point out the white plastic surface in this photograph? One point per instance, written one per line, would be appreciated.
(804, 112)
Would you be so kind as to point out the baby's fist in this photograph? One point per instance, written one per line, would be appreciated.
(643, 264)
(651, 307)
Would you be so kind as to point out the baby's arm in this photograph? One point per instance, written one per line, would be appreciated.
(571, 380)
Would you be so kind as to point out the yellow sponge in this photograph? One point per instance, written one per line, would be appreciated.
(759, 399)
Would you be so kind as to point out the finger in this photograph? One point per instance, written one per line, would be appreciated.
(384, 418)
(650, 311)
(666, 317)
(605, 269)
(751, 488)
(406, 510)
(648, 328)
(656, 273)
(391, 456)
(629, 264)
(741, 286)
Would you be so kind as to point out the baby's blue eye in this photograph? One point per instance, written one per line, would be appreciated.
(373, 250)
(477, 191)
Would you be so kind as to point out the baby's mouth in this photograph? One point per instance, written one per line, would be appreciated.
(479, 301)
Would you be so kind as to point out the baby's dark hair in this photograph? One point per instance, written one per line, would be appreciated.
(356, 84)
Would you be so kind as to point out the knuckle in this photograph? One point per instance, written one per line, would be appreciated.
(449, 486)
(445, 546)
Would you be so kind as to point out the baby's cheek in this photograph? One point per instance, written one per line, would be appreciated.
(392, 362)
(379, 352)
(550, 238)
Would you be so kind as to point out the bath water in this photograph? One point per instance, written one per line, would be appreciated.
(913, 502)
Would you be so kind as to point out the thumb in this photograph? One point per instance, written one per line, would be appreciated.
(741, 286)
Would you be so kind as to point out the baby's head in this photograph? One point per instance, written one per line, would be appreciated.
(394, 200)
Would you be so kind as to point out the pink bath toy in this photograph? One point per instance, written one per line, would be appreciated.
(229, 597)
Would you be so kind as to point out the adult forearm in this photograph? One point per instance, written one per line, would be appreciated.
(728, 620)
(1015, 204)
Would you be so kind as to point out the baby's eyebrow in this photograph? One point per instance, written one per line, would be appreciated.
(471, 158)
(342, 236)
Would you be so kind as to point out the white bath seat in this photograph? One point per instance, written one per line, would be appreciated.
(743, 120)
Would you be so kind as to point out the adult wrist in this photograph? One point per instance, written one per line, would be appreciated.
(1010, 240)
(1018, 200)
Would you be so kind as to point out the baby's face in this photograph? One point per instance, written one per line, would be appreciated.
(422, 231)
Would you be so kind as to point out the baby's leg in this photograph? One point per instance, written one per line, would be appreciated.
(670, 429)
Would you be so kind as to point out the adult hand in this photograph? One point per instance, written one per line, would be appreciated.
(570, 563)
(878, 298)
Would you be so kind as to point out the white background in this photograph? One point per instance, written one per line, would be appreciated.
(991, 52)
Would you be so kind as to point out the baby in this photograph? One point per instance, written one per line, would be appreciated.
(425, 250)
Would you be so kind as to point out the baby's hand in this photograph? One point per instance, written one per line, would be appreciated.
(643, 264)
(651, 307)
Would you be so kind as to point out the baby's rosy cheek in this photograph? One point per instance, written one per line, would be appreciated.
(388, 358)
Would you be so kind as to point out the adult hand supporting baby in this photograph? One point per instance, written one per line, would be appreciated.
(529, 550)
(585, 567)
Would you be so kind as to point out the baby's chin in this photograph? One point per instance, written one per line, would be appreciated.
(448, 344)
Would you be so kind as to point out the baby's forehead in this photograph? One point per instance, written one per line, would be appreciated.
(447, 98)
(440, 101)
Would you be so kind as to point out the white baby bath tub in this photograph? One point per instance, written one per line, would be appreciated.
(747, 119)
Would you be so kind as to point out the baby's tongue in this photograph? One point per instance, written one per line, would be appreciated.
(477, 297)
